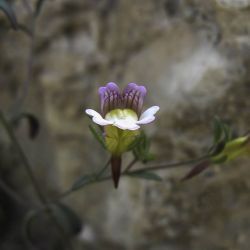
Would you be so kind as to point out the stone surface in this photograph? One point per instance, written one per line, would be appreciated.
(193, 55)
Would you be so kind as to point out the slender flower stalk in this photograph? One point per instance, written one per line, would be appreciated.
(121, 117)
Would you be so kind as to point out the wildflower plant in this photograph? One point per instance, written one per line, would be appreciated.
(120, 124)
(121, 118)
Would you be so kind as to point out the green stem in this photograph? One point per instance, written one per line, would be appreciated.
(30, 173)
(12, 194)
(23, 157)
(102, 171)
(161, 166)
(171, 165)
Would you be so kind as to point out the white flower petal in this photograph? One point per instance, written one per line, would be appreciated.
(126, 124)
(149, 112)
(146, 120)
(97, 118)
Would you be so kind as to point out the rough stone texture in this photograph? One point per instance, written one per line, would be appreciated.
(193, 55)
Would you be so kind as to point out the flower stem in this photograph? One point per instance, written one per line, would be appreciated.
(102, 171)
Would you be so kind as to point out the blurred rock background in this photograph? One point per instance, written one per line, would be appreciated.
(192, 55)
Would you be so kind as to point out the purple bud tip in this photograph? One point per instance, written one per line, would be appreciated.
(133, 97)
(112, 86)
(110, 97)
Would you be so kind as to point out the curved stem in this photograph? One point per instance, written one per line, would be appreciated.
(171, 165)
(23, 157)
(12, 194)
(31, 176)
(161, 166)
(102, 171)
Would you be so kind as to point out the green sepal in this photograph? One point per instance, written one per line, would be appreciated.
(97, 133)
(141, 150)
(119, 141)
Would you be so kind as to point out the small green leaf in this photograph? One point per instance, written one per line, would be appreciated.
(146, 175)
(82, 181)
(98, 136)
(7, 9)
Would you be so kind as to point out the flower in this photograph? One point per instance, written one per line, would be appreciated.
(121, 116)
(122, 110)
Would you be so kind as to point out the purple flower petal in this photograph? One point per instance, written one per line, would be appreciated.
(133, 97)
(110, 97)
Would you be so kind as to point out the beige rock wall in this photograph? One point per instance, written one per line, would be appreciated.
(193, 56)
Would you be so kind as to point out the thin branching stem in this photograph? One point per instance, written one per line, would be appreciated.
(103, 170)
(127, 171)
(32, 178)
(23, 157)
(171, 165)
